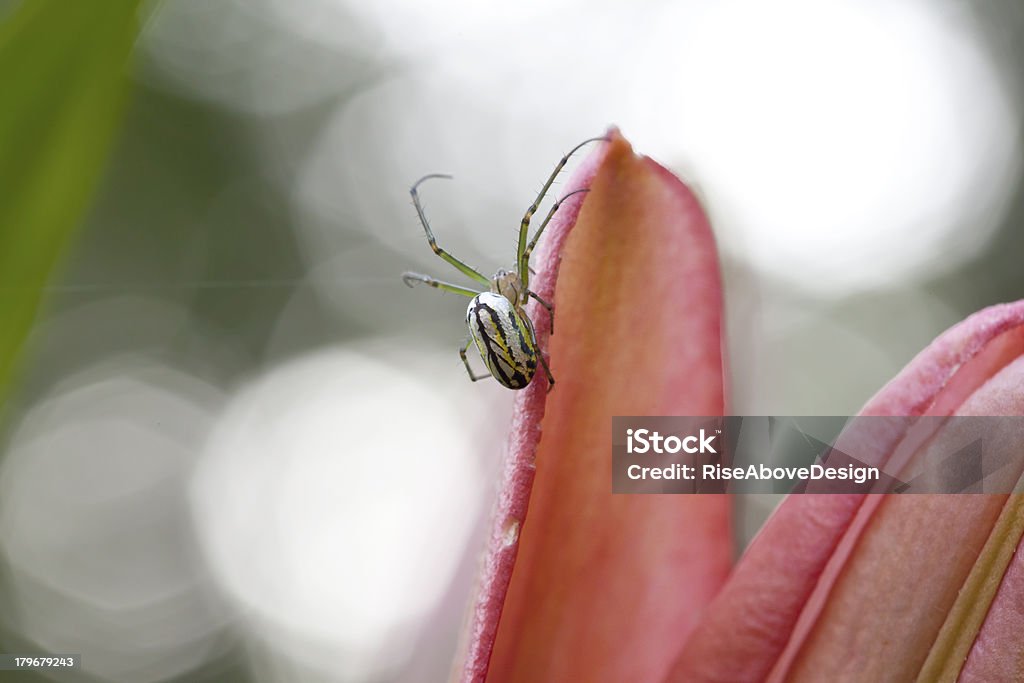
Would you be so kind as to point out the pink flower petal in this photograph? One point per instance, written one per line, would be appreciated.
(997, 654)
(847, 587)
(604, 587)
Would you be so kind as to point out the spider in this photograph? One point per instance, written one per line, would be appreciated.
(498, 324)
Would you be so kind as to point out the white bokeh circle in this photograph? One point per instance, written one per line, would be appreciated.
(334, 504)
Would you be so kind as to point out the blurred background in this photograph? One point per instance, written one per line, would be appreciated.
(175, 503)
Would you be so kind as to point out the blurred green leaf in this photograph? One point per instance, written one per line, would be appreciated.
(63, 77)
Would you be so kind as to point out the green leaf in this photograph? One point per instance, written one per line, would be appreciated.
(63, 78)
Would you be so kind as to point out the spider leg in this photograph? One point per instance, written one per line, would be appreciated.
(540, 230)
(411, 278)
(549, 307)
(465, 361)
(540, 354)
(547, 371)
(462, 267)
(524, 226)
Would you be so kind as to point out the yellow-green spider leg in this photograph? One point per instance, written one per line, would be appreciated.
(545, 304)
(540, 354)
(464, 268)
(465, 361)
(411, 278)
(524, 226)
(547, 219)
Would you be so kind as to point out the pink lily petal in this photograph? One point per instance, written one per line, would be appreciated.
(638, 305)
(996, 654)
(848, 587)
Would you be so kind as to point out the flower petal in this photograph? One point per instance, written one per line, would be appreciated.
(996, 653)
(828, 572)
(638, 305)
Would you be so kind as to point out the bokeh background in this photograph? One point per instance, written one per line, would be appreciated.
(239, 449)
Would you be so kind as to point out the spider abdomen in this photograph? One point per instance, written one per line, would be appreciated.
(504, 338)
